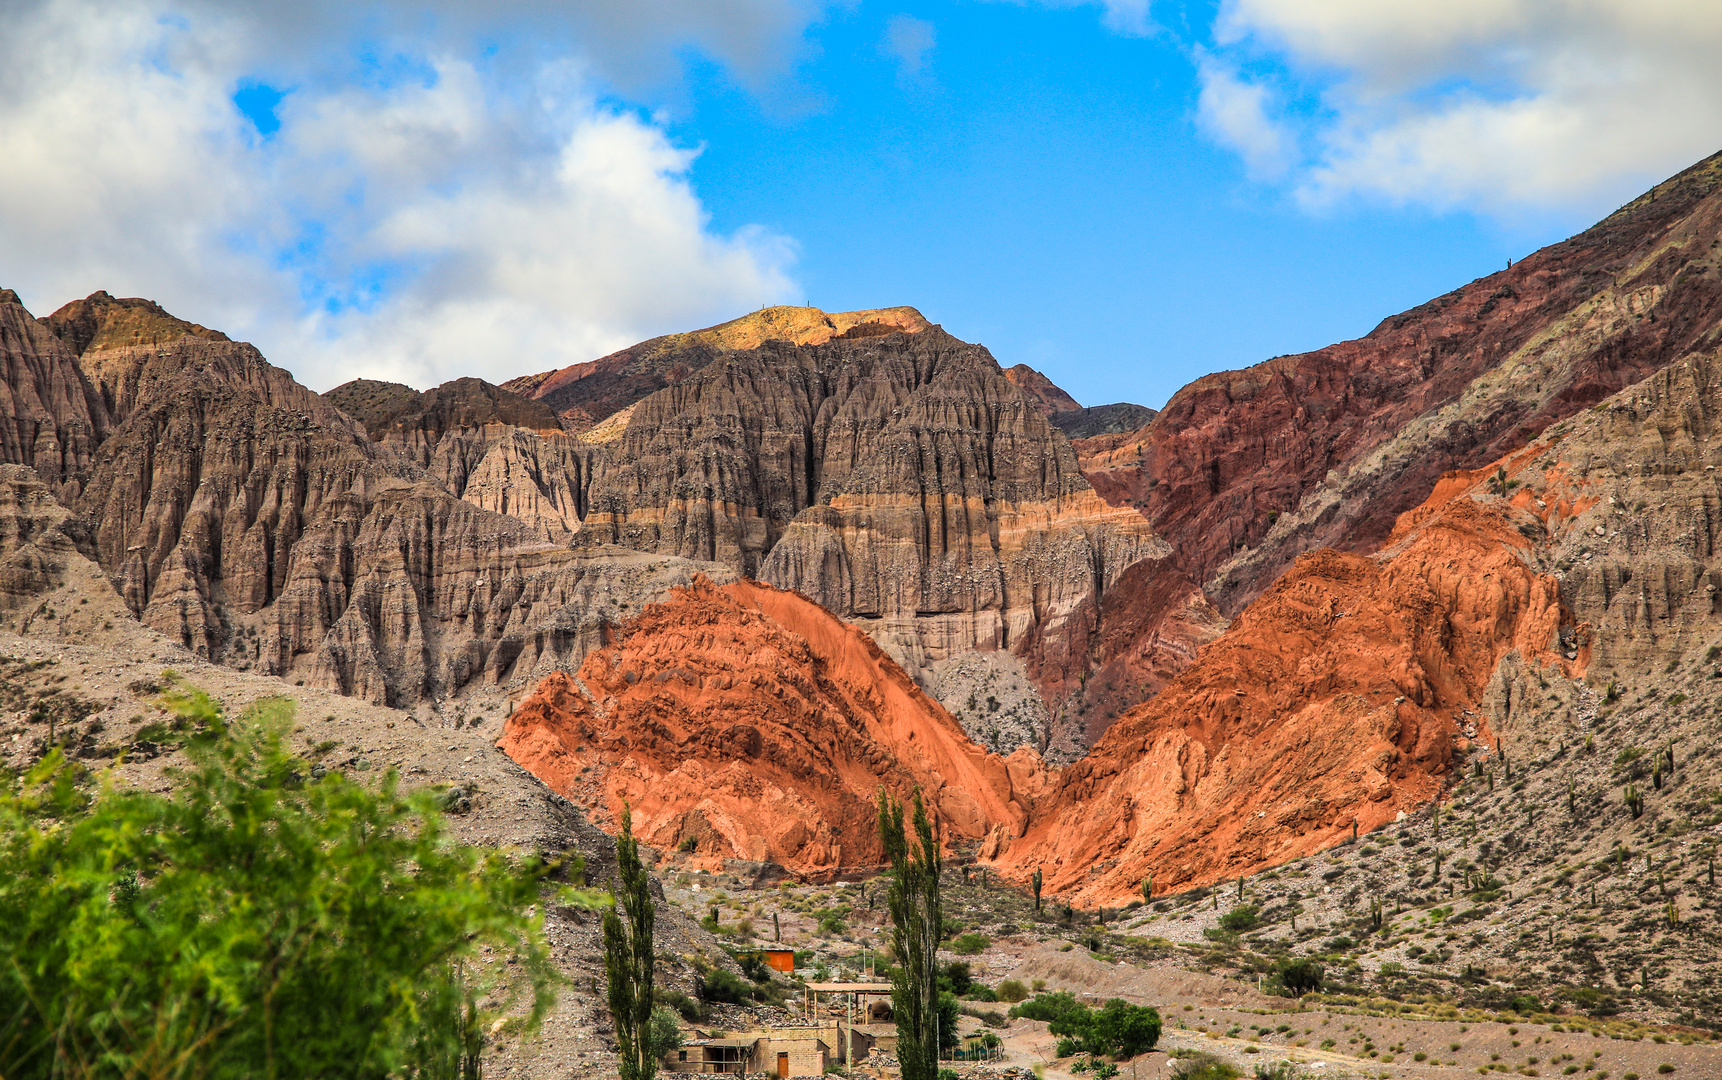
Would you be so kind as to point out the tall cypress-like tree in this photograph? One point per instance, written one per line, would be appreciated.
(913, 901)
(628, 958)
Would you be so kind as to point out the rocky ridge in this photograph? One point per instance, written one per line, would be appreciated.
(1244, 470)
(586, 394)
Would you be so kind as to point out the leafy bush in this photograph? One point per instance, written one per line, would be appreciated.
(955, 977)
(1065, 1048)
(256, 921)
(1047, 1007)
(969, 944)
(1012, 991)
(1118, 1027)
(1199, 1066)
(1240, 918)
(831, 920)
(724, 986)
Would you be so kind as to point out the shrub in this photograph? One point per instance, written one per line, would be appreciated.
(724, 986)
(1047, 1007)
(1200, 1066)
(955, 977)
(969, 944)
(1012, 991)
(1240, 918)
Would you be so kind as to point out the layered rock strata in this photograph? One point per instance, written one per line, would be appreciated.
(1244, 470)
(1339, 698)
(241, 514)
(744, 722)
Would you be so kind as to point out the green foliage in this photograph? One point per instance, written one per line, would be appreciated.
(664, 1034)
(1199, 1066)
(1047, 1007)
(1065, 1048)
(1105, 1070)
(913, 904)
(1300, 977)
(949, 1010)
(1118, 1027)
(725, 987)
(1011, 990)
(970, 944)
(254, 923)
(1243, 917)
(831, 920)
(628, 958)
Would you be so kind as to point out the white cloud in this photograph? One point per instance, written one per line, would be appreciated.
(1234, 112)
(409, 228)
(1128, 17)
(1497, 104)
(908, 40)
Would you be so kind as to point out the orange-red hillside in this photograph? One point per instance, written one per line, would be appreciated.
(1335, 697)
(757, 724)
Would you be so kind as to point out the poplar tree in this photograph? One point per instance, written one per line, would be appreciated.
(628, 958)
(913, 903)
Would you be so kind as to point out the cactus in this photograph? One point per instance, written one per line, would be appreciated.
(1491, 779)
(1035, 881)
(1673, 914)
(776, 930)
(1437, 812)
(1634, 800)
(1572, 798)
(1354, 830)
(1712, 870)
(1148, 888)
(1437, 874)
(1656, 774)
(1240, 888)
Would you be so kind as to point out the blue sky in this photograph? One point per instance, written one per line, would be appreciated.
(1125, 196)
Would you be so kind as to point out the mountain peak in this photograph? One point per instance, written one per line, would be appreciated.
(100, 321)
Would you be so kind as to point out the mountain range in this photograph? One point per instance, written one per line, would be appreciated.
(743, 577)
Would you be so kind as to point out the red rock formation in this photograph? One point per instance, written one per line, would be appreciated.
(1041, 391)
(1244, 470)
(752, 724)
(1333, 698)
(1341, 441)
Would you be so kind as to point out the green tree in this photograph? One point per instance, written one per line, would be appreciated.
(256, 922)
(913, 904)
(1125, 1030)
(666, 1033)
(628, 958)
(1300, 977)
